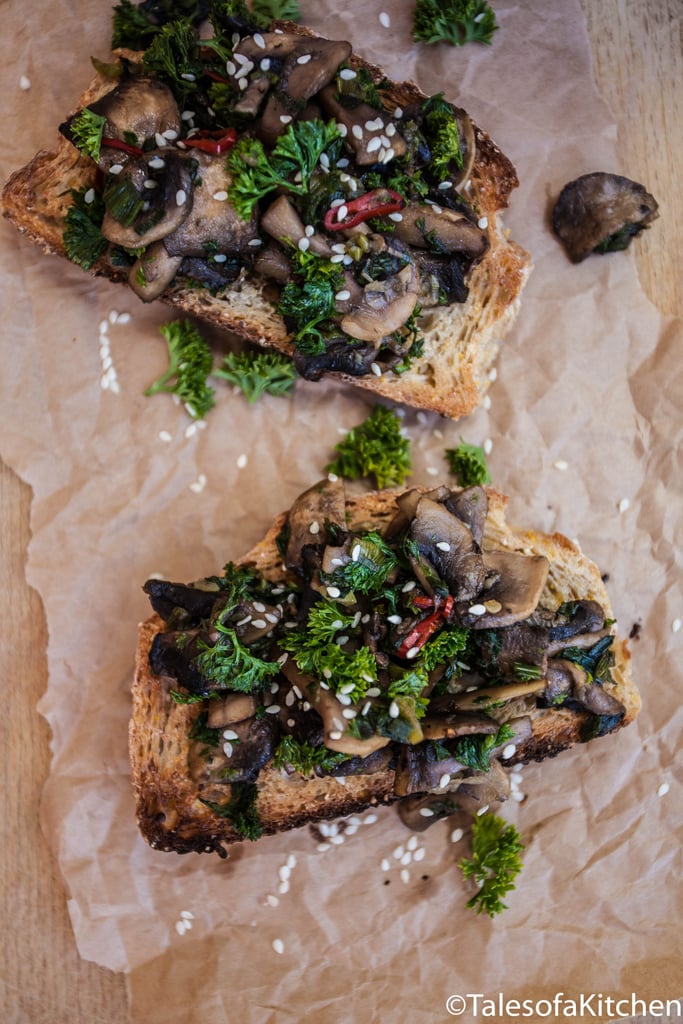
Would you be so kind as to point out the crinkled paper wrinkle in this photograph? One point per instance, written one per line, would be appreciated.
(589, 379)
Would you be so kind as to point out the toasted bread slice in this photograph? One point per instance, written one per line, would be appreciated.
(461, 340)
(170, 808)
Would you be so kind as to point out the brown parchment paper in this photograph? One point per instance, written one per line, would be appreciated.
(590, 376)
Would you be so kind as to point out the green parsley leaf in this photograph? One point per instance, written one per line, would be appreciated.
(83, 240)
(265, 11)
(443, 648)
(495, 862)
(258, 373)
(86, 132)
(190, 363)
(174, 55)
(303, 758)
(467, 462)
(296, 152)
(376, 448)
(325, 620)
(453, 21)
(372, 562)
(241, 809)
(135, 25)
(473, 751)
(232, 664)
(331, 663)
(309, 300)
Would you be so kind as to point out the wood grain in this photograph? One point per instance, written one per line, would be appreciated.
(638, 65)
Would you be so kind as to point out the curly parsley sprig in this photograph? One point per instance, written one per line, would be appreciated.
(190, 363)
(375, 448)
(495, 862)
(453, 21)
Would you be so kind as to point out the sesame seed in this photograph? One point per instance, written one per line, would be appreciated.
(343, 295)
(314, 527)
(374, 691)
(220, 258)
(24, 83)
(516, 795)
(488, 446)
(200, 483)
(89, 196)
(395, 620)
(349, 713)
(375, 126)
(397, 217)
(116, 168)
(407, 587)
(477, 609)
(384, 20)
(278, 946)
(285, 118)
(443, 545)
(405, 876)
(357, 131)
(561, 464)
(482, 810)
(444, 780)
(241, 461)
(189, 77)
(376, 369)
(304, 58)
(272, 901)
(426, 812)
(259, 40)
(509, 751)
(374, 144)
(304, 244)
(394, 710)
(187, 915)
(333, 592)
(337, 257)
(406, 858)
(370, 819)
(663, 789)
(227, 749)
(156, 163)
(456, 835)
(187, 115)
(432, 470)
(220, 196)
(273, 709)
(229, 734)
(676, 625)
(265, 64)
(254, 242)
(335, 734)
(624, 505)
(165, 436)
(284, 872)
(398, 852)
(412, 653)
(182, 926)
(483, 222)
(419, 854)
(385, 864)
(309, 231)
(181, 197)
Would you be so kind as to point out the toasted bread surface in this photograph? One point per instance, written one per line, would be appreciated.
(461, 340)
(170, 812)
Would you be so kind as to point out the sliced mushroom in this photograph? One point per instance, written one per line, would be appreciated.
(270, 261)
(167, 597)
(311, 516)
(248, 752)
(253, 96)
(166, 207)
(445, 231)
(518, 584)
(568, 679)
(488, 695)
(211, 220)
(420, 769)
(365, 142)
(471, 506)
(576, 618)
(420, 811)
(450, 726)
(234, 707)
(386, 305)
(373, 763)
(276, 46)
(305, 71)
(441, 277)
(448, 545)
(138, 107)
(340, 356)
(601, 212)
(283, 223)
(152, 272)
(484, 789)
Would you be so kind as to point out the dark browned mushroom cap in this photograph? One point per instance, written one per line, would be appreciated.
(283, 223)
(234, 707)
(440, 277)
(270, 261)
(312, 517)
(305, 71)
(370, 133)
(421, 767)
(196, 600)
(428, 226)
(601, 212)
(250, 747)
(152, 272)
(163, 208)
(459, 723)
(212, 217)
(518, 582)
(471, 506)
(340, 356)
(449, 547)
(567, 679)
(138, 107)
(385, 306)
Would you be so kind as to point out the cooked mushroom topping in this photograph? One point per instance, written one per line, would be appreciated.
(340, 356)
(466, 723)
(168, 599)
(311, 518)
(283, 223)
(518, 583)
(161, 209)
(359, 136)
(212, 222)
(234, 707)
(152, 272)
(471, 506)
(442, 230)
(601, 213)
(449, 547)
(385, 306)
(249, 751)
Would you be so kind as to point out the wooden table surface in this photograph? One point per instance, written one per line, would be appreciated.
(639, 64)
